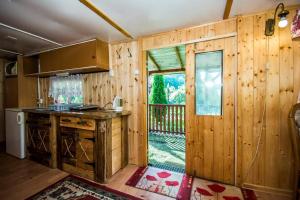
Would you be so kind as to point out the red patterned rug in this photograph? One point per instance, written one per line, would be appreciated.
(76, 188)
(164, 182)
(184, 187)
(209, 190)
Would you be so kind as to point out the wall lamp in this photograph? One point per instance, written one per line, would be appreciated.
(283, 22)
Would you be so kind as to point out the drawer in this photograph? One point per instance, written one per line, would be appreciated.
(38, 120)
(76, 122)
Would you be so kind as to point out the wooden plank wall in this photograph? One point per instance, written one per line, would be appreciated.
(282, 56)
(2, 131)
(190, 34)
(27, 86)
(268, 69)
(101, 88)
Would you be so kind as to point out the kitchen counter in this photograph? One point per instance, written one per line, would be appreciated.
(91, 114)
(92, 144)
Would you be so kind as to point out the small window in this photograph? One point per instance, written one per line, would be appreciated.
(208, 83)
(66, 90)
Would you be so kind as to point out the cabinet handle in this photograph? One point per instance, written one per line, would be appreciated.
(82, 122)
(90, 163)
(66, 120)
(91, 139)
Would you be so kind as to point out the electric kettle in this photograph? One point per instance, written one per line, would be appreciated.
(118, 103)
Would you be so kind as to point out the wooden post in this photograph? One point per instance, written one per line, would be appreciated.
(124, 136)
(100, 151)
(53, 141)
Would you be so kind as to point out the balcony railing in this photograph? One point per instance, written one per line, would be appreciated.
(166, 118)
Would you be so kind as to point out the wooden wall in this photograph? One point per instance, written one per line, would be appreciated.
(2, 131)
(268, 69)
(279, 85)
(189, 35)
(101, 88)
(26, 86)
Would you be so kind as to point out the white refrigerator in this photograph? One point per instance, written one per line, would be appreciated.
(15, 132)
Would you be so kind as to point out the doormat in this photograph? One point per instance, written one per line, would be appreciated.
(160, 181)
(73, 187)
(183, 187)
(203, 189)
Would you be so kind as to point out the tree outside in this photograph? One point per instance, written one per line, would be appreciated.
(167, 89)
(158, 94)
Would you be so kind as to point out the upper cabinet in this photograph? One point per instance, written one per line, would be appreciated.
(91, 56)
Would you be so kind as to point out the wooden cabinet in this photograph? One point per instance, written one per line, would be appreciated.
(76, 154)
(11, 92)
(41, 138)
(21, 91)
(92, 148)
(91, 56)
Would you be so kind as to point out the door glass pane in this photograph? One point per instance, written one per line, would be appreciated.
(209, 83)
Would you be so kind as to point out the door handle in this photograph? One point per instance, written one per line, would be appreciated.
(66, 120)
(20, 118)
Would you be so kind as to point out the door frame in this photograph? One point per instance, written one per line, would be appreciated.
(143, 127)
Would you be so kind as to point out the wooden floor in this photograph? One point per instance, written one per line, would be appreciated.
(20, 179)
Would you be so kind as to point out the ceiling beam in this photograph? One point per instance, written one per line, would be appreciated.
(167, 71)
(30, 34)
(96, 10)
(153, 60)
(179, 57)
(227, 9)
(10, 52)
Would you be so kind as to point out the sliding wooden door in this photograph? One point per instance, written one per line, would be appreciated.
(210, 136)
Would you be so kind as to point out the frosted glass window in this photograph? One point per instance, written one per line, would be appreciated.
(208, 82)
(66, 90)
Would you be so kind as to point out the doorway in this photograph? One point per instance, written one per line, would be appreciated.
(166, 108)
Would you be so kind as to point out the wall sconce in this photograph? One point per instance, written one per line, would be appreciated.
(270, 23)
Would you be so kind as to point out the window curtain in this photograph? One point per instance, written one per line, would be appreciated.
(66, 89)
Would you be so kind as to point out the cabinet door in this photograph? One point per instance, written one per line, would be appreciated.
(38, 143)
(72, 57)
(68, 145)
(85, 150)
(11, 92)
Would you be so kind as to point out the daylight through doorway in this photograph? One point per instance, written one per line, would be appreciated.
(166, 124)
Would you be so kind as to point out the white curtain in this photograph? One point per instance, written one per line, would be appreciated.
(66, 89)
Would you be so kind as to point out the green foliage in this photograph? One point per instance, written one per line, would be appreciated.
(158, 94)
(175, 88)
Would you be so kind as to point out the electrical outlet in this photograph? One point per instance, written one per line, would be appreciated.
(111, 73)
(136, 72)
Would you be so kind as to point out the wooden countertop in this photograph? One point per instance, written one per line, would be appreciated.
(91, 114)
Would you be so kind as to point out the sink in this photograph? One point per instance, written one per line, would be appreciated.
(43, 109)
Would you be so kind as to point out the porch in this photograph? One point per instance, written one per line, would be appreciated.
(166, 137)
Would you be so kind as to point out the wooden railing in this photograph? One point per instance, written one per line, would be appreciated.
(166, 118)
